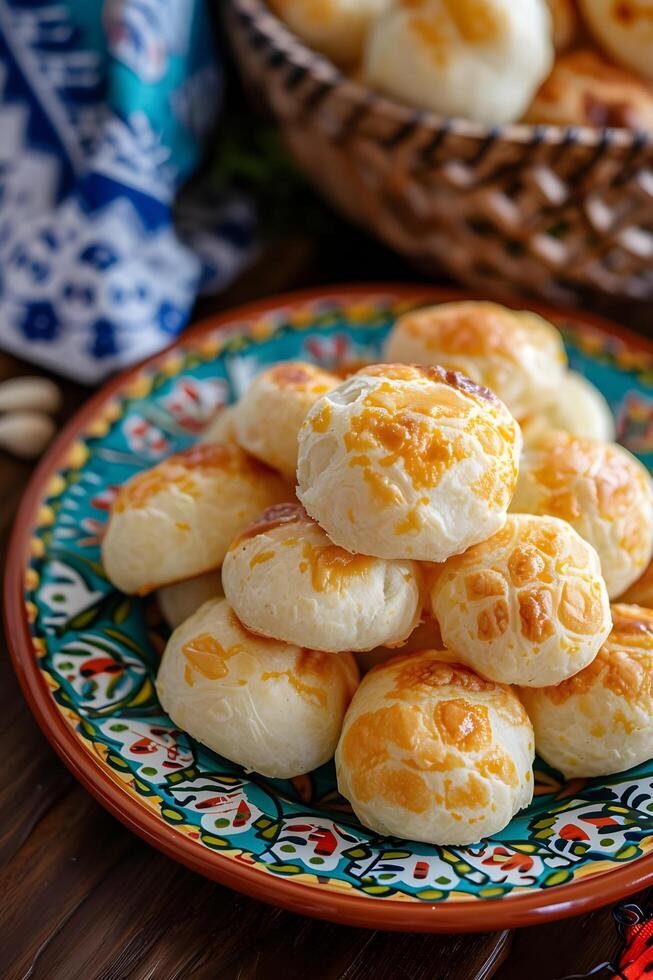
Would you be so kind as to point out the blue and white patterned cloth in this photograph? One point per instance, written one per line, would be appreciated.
(103, 106)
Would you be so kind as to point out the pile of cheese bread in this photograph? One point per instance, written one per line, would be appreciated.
(452, 525)
(564, 62)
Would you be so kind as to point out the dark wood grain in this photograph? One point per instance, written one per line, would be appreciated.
(33, 779)
(69, 852)
(571, 946)
(170, 923)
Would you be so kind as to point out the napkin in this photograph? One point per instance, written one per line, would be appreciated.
(103, 111)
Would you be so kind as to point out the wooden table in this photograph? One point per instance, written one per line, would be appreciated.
(82, 898)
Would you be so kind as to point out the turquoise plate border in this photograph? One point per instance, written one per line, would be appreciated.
(96, 653)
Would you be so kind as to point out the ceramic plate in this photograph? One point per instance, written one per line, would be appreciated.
(86, 657)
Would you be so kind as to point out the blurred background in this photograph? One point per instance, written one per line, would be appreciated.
(164, 160)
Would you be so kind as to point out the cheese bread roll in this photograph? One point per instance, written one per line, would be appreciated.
(586, 90)
(177, 519)
(431, 751)
(603, 491)
(600, 721)
(623, 28)
(336, 27)
(284, 578)
(402, 461)
(517, 355)
(268, 417)
(268, 706)
(477, 59)
(221, 428)
(527, 606)
(579, 409)
(565, 23)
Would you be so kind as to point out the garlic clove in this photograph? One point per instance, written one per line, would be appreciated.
(30, 393)
(25, 434)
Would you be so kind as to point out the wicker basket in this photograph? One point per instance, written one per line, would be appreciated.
(545, 209)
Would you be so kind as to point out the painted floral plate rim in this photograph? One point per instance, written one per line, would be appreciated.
(327, 324)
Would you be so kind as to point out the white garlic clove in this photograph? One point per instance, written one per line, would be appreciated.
(25, 434)
(29, 394)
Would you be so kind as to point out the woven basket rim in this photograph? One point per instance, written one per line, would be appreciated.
(288, 46)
